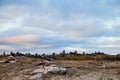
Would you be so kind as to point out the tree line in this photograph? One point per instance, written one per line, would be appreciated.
(68, 56)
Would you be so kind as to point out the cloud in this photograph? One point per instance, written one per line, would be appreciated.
(11, 17)
(16, 42)
(46, 25)
(79, 50)
(12, 11)
(21, 38)
(21, 42)
(109, 40)
(115, 23)
(6, 47)
(74, 26)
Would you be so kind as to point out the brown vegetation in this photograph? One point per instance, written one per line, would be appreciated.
(69, 56)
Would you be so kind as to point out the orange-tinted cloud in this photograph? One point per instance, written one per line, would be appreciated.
(21, 38)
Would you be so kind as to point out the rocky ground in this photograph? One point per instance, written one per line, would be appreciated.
(24, 68)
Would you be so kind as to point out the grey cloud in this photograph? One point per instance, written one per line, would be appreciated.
(56, 28)
(78, 27)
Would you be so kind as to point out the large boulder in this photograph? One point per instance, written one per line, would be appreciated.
(11, 58)
(56, 70)
(40, 72)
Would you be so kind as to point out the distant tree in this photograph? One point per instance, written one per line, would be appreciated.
(75, 52)
(13, 54)
(36, 55)
(83, 53)
(54, 55)
(28, 54)
(43, 54)
(62, 54)
(18, 53)
(4, 54)
(95, 52)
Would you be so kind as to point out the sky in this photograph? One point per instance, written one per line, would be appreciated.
(47, 26)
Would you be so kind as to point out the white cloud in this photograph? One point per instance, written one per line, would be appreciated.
(76, 48)
(108, 43)
(74, 26)
(110, 46)
(108, 40)
(12, 11)
(114, 23)
(7, 47)
(12, 16)
(10, 24)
